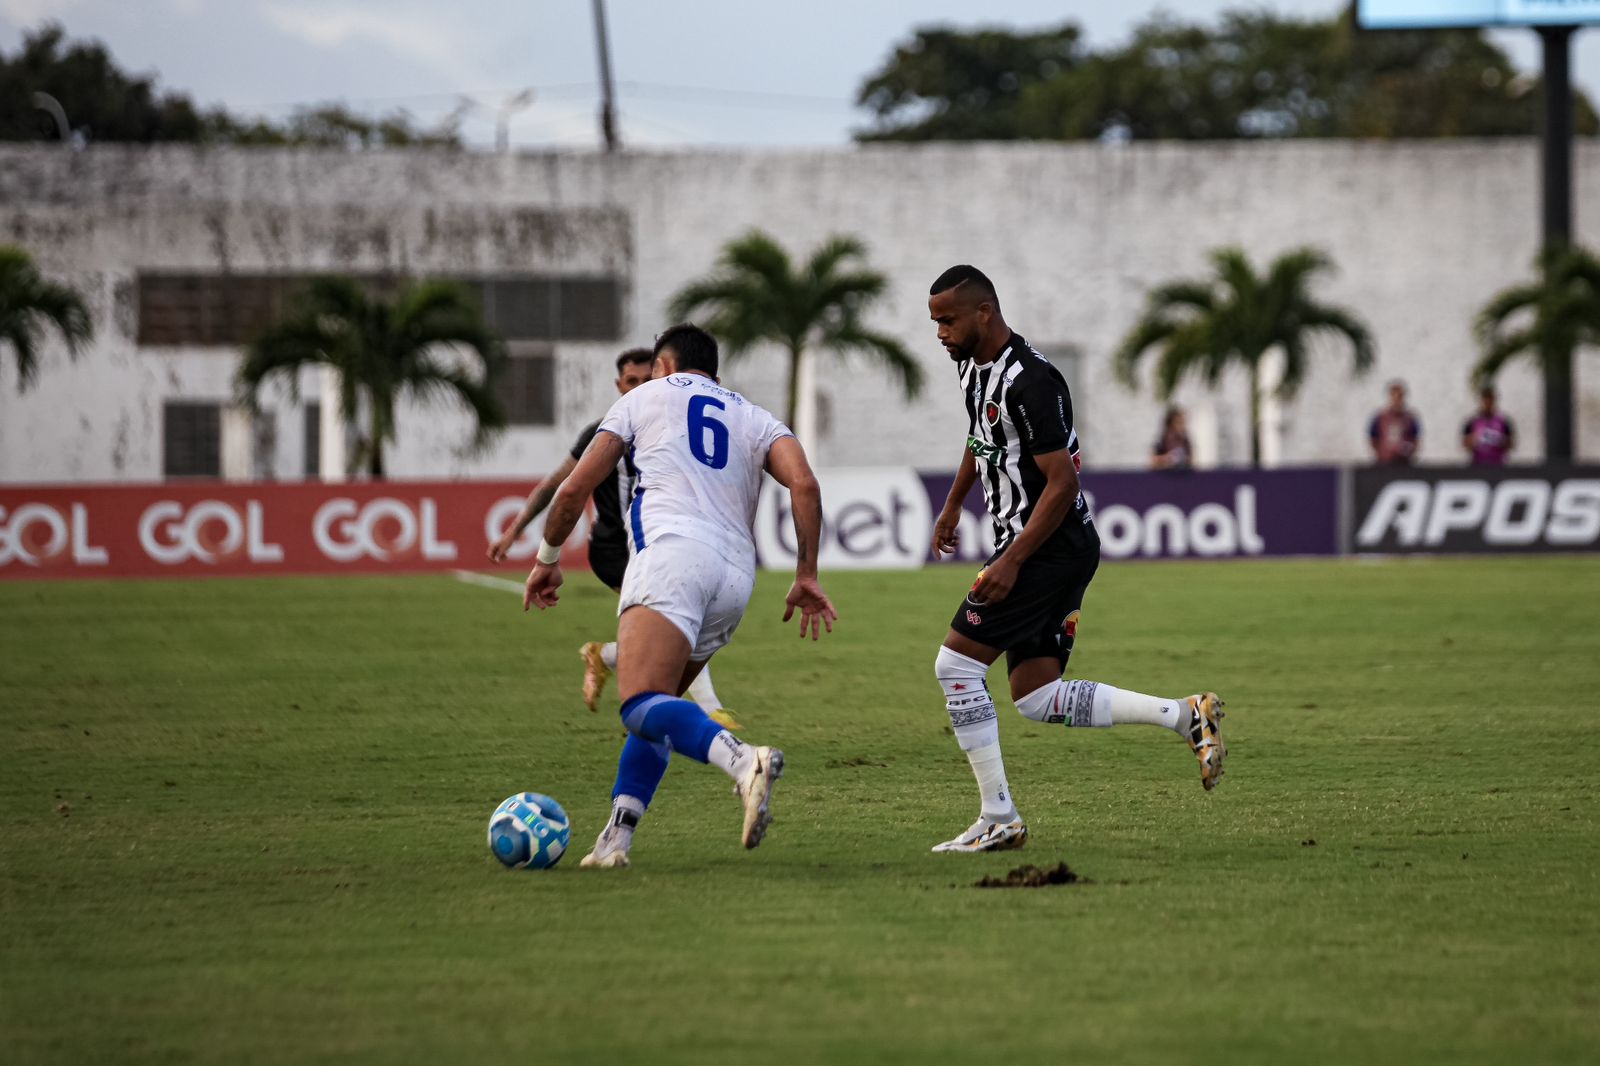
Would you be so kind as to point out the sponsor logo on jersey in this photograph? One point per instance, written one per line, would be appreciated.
(991, 453)
(974, 618)
(682, 381)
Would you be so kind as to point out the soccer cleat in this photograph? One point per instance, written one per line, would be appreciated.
(1205, 737)
(595, 673)
(724, 717)
(610, 851)
(986, 834)
(755, 790)
(611, 860)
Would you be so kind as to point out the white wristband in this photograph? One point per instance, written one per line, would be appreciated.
(549, 554)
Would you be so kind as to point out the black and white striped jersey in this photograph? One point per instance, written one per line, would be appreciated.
(1018, 406)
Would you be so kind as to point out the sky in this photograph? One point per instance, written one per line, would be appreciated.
(689, 72)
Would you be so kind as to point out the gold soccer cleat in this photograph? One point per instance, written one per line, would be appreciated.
(724, 717)
(595, 673)
(1205, 737)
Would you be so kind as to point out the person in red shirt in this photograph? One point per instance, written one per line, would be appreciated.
(1488, 435)
(1394, 431)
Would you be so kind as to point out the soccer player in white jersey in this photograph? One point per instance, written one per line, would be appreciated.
(1022, 447)
(699, 450)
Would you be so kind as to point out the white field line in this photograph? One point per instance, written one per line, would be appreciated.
(473, 578)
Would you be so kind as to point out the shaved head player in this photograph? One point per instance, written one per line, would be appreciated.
(1022, 447)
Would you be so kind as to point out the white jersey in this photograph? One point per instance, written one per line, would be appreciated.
(699, 450)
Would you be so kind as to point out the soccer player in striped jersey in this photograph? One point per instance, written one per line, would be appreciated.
(700, 451)
(1023, 449)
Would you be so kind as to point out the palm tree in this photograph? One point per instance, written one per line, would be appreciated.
(381, 347)
(757, 295)
(1238, 316)
(28, 302)
(1556, 315)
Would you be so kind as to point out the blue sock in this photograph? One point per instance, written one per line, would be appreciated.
(681, 724)
(640, 769)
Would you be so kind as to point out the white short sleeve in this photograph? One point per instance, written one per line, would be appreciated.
(619, 419)
(772, 432)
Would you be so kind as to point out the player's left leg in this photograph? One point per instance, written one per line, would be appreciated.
(1040, 693)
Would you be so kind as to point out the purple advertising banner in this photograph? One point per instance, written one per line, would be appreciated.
(882, 517)
(1206, 514)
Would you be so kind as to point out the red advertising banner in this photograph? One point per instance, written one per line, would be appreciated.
(194, 530)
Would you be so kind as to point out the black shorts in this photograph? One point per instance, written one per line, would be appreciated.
(1040, 617)
(609, 562)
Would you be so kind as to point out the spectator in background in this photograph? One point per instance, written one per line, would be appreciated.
(1394, 431)
(1488, 435)
(1172, 448)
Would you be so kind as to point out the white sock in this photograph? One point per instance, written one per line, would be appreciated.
(618, 833)
(608, 655)
(977, 729)
(731, 754)
(702, 693)
(1089, 703)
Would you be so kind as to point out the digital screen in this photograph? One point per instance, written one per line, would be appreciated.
(1420, 14)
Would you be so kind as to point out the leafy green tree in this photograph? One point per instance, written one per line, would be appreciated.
(104, 103)
(1548, 320)
(758, 294)
(953, 85)
(28, 303)
(1252, 74)
(1236, 317)
(383, 348)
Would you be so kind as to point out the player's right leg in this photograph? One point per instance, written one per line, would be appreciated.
(1040, 693)
(962, 667)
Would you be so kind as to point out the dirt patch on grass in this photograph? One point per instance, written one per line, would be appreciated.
(1033, 877)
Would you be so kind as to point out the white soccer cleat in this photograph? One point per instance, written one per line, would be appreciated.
(609, 852)
(986, 834)
(611, 860)
(755, 791)
(1205, 737)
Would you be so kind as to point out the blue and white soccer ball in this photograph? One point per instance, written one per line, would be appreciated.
(529, 832)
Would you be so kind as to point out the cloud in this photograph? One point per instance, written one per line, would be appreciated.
(430, 37)
(25, 12)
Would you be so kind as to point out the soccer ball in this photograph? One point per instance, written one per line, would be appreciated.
(529, 832)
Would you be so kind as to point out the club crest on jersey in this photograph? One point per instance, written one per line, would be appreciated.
(991, 412)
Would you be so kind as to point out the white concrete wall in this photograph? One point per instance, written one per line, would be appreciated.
(1073, 235)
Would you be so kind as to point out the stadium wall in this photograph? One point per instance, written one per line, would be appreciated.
(874, 518)
(1074, 235)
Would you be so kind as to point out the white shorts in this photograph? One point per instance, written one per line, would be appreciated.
(698, 590)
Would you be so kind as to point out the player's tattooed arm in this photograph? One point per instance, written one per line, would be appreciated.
(537, 501)
(946, 528)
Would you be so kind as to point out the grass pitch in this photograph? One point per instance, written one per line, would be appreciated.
(243, 821)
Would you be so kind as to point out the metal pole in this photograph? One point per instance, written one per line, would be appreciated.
(1556, 154)
(608, 106)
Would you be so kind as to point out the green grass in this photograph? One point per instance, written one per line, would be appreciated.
(244, 822)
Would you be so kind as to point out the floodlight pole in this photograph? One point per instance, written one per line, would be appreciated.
(1556, 155)
(608, 102)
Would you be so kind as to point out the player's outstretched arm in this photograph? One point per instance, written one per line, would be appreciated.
(786, 462)
(946, 528)
(602, 456)
(537, 501)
